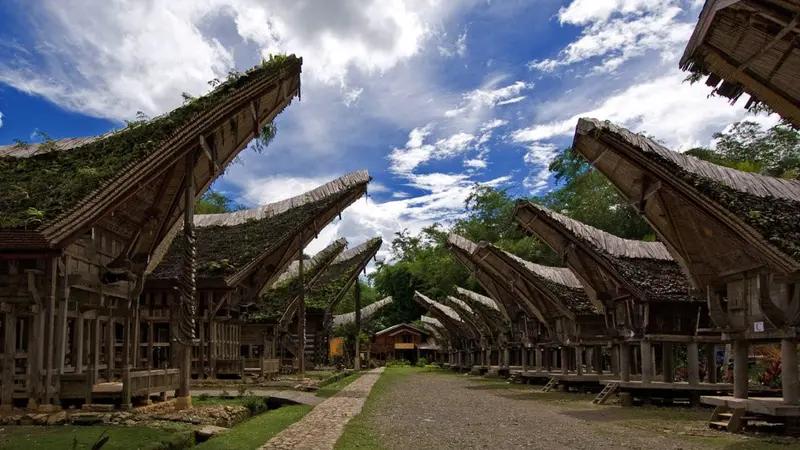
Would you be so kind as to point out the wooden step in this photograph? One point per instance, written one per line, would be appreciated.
(729, 415)
(719, 424)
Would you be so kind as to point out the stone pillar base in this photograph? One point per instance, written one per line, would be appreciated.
(183, 402)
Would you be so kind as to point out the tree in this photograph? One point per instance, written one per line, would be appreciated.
(586, 195)
(214, 202)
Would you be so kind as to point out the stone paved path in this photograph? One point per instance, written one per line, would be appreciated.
(298, 397)
(322, 427)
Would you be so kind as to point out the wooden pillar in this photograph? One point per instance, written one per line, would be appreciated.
(150, 341)
(524, 357)
(94, 342)
(61, 334)
(615, 359)
(597, 359)
(506, 357)
(668, 370)
(9, 348)
(625, 361)
(564, 360)
(50, 330)
(537, 358)
(711, 363)
(137, 335)
(79, 341)
(110, 349)
(740, 377)
(188, 289)
(357, 295)
(201, 350)
(693, 363)
(127, 343)
(37, 359)
(301, 315)
(647, 361)
(212, 330)
(789, 377)
(579, 360)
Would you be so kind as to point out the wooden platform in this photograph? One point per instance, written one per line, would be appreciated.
(770, 406)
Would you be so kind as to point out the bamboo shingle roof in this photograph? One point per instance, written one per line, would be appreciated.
(366, 312)
(749, 46)
(559, 284)
(646, 268)
(235, 243)
(54, 189)
(770, 206)
(486, 309)
(341, 275)
(447, 315)
(276, 298)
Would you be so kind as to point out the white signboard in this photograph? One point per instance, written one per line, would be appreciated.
(758, 327)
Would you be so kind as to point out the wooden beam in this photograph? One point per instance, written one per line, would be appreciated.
(768, 46)
(210, 150)
(254, 112)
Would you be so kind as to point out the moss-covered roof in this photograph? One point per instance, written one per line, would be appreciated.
(769, 205)
(559, 281)
(41, 181)
(646, 266)
(227, 243)
(276, 299)
(366, 312)
(340, 275)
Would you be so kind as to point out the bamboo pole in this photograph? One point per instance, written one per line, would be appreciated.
(357, 294)
(188, 287)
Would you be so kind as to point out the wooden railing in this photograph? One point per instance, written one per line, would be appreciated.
(146, 382)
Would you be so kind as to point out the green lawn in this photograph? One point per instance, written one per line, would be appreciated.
(358, 433)
(47, 438)
(332, 389)
(257, 431)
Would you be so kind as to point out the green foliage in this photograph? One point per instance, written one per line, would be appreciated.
(203, 397)
(53, 182)
(748, 147)
(214, 202)
(254, 432)
(256, 405)
(398, 363)
(422, 362)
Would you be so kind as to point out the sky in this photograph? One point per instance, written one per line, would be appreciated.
(431, 96)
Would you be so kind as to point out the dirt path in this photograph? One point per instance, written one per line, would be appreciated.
(429, 410)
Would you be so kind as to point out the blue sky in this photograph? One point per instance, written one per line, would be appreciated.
(430, 95)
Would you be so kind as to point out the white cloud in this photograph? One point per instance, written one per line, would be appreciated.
(461, 44)
(490, 96)
(351, 96)
(400, 194)
(678, 113)
(111, 58)
(459, 48)
(405, 160)
(475, 163)
(619, 30)
(1, 119)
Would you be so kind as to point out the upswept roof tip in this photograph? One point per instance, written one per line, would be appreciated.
(366, 312)
(444, 309)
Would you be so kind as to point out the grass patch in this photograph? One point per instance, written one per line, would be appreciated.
(218, 401)
(46, 438)
(332, 389)
(359, 434)
(257, 431)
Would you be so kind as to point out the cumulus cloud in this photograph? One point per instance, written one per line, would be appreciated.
(616, 31)
(416, 152)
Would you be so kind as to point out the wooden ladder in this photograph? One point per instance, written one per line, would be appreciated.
(550, 384)
(609, 389)
(733, 420)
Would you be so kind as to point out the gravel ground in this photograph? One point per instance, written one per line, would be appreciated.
(430, 411)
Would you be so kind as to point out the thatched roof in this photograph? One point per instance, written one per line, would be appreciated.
(558, 284)
(464, 250)
(341, 275)
(770, 207)
(366, 312)
(47, 184)
(646, 268)
(435, 327)
(486, 309)
(447, 315)
(469, 316)
(232, 244)
(749, 46)
(276, 298)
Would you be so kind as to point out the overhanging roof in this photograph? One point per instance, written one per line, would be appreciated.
(366, 312)
(447, 316)
(468, 316)
(749, 46)
(608, 266)
(259, 243)
(487, 309)
(131, 180)
(714, 220)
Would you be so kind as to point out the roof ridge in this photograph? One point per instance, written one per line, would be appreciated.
(333, 187)
(482, 299)
(560, 275)
(294, 268)
(605, 241)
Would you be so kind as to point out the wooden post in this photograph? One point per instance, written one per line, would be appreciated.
(301, 316)
(10, 341)
(357, 295)
(579, 360)
(212, 330)
(136, 358)
(597, 359)
(625, 361)
(668, 371)
(524, 357)
(506, 357)
(537, 358)
(95, 350)
(740, 377)
(647, 362)
(110, 346)
(564, 360)
(789, 377)
(127, 325)
(188, 287)
(150, 341)
(711, 363)
(201, 356)
(50, 329)
(37, 344)
(615, 359)
(693, 363)
(79, 342)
